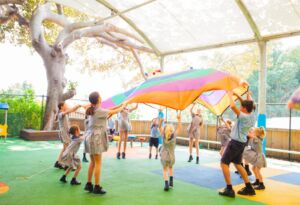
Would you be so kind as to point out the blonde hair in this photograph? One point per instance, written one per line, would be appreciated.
(229, 122)
(260, 131)
(170, 132)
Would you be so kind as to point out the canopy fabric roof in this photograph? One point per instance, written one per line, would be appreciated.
(176, 26)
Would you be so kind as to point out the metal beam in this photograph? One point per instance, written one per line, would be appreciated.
(262, 77)
(250, 20)
(207, 47)
(132, 24)
(162, 63)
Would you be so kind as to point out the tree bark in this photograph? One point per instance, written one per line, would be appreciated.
(55, 69)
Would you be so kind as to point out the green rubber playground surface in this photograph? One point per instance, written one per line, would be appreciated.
(27, 168)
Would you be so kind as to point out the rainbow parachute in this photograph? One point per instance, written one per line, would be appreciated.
(206, 86)
(294, 102)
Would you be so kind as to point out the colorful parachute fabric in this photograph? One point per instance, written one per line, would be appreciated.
(179, 90)
(294, 102)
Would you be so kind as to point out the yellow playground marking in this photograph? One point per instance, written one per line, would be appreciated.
(3, 188)
(276, 193)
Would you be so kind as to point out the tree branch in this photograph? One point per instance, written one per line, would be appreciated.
(19, 2)
(68, 95)
(139, 63)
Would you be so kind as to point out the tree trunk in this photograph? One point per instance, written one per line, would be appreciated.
(55, 68)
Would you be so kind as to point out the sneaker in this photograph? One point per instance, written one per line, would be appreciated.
(191, 158)
(89, 187)
(247, 191)
(118, 155)
(63, 179)
(227, 192)
(197, 160)
(150, 156)
(260, 187)
(74, 182)
(123, 155)
(156, 156)
(98, 190)
(166, 188)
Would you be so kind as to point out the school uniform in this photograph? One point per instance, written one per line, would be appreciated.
(167, 152)
(63, 124)
(124, 124)
(87, 134)
(235, 148)
(194, 127)
(97, 138)
(69, 157)
(223, 133)
(155, 134)
(254, 153)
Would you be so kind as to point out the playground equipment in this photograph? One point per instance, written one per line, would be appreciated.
(3, 128)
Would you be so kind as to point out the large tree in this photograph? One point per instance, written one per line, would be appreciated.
(52, 47)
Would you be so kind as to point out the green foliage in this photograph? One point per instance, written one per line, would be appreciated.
(24, 109)
(72, 85)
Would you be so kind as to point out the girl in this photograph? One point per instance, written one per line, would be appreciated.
(97, 140)
(167, 151)
(194, 132)
(254, 155)
(223, 132)
(124, 128)
(69, 157)
(154, 139)
(63, 124)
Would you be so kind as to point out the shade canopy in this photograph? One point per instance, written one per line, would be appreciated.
(206, 86)
(176, 26)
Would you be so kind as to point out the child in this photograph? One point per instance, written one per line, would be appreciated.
(167, 151)
(124, 128)
(254, 155)
(194, 132)
(63, 124)
(234, 151)
(223, 132)
(69, 157)
(97, 140)
(154, 139)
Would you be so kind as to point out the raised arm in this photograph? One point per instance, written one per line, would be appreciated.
(179, 125)
(134, 108)
(232, 104)
(73, 109)
(191, 110)
(249, 95)
(115, 110)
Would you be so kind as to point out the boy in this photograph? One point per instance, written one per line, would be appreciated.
(234, 151)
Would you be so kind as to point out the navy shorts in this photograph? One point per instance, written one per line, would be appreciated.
(153, 141)
(233, 152)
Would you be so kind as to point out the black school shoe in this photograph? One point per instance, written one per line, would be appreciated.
(190, 158)
(118, 155)
(58, 165)
(197, 160)
(256, 183)
(63, 179)
(227, 192)
(166, 188)
(150, 155)
(99, 190)
(123, 155)
(260, 187)
(156, 156)
(84, 159)
(74, 182)
(89, 187)
(247, 191)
